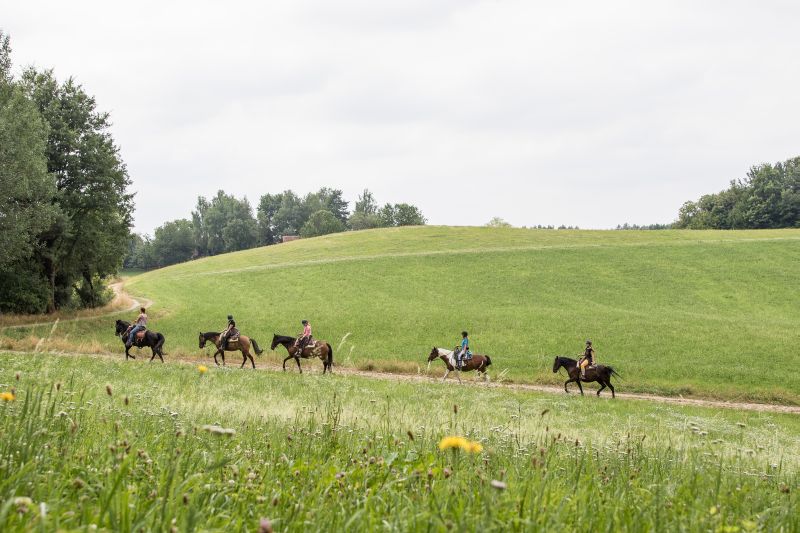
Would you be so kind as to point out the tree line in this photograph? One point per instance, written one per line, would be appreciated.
(768, 197)
(224, 223)
(65, 213)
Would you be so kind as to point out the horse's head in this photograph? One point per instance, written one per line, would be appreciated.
(275, 341)
(434, 354)
(556, 364)
(121, 326)
(202, 340)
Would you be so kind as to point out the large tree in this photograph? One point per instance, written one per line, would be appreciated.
(224, 224)
(26, 188)
(91, 229)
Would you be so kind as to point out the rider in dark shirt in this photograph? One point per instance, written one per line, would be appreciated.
(229, 332)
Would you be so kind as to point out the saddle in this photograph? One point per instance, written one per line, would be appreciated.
(140, 334)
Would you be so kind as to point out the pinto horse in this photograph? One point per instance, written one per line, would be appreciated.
(242, 344)
(477, 362)
(143, 338)
(601, 374)
(318, 348)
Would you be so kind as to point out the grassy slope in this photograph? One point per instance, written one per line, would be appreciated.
(313, 452)
(710, 313)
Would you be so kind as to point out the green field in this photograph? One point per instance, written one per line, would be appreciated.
(704, 313)
(121, 446)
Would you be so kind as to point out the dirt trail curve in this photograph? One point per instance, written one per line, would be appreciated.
(118, 291)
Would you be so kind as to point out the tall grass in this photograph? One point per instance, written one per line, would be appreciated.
(158, 447)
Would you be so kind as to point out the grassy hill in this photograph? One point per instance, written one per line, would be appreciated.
(683, 312)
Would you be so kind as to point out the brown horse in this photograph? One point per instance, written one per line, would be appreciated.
(240, 345)
(477, 362)
(318, 348)
(601, 374)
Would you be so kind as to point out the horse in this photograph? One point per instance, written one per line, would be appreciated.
(143, 338)
(601, 374)
(242, 344)
(318, 348)
(477, 362)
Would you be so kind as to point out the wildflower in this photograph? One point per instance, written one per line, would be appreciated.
(453, 442)
(202, 369)
(474, 447)
(499, 485)
(713, 510)
(264, 526)
(7, 396)
(218, 430)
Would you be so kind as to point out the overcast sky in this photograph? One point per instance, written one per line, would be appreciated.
(579, 113)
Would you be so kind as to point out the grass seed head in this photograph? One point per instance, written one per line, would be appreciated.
(108, 390)
(499, 485)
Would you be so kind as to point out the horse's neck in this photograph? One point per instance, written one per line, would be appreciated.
(447, 356)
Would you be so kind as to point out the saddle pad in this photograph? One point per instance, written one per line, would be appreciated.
(140, 334)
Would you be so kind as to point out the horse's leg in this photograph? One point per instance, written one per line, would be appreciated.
(578, 381)
(215, 359)
(154, 354)
(297, 360)
(250, 356)
(244, 358)
(602, 386)
(565, 385)
(458, 375)
(610, 386)
(445, 375)
(284, 361)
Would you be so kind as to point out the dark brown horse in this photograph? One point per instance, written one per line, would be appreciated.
(477, 362)
(144, 338)
(317, 348)
(601, 374)
(242, 344)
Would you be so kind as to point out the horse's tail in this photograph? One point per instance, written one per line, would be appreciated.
(488, 361)
(330, 354)
(612, 372)
(258, 350)
(160, 343)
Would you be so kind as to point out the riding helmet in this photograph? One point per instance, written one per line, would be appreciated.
(230, 317)
(464, 333)
(588, 342)
(304, 322)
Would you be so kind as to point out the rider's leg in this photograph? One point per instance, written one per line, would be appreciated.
(132, 335)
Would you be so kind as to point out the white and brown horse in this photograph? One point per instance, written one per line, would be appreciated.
(477, 362)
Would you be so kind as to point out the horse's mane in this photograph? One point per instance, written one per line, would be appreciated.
(283, 338)
(566, 359)
(208, 334)
(448, 354)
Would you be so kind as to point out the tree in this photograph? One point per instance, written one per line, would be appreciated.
(223, 224)
(88, 235)
(173, 242)
(408, 215)
(289, 217)
(497, 222)
(365, 213)
(26, 189)
(267, 209)
(321, 223)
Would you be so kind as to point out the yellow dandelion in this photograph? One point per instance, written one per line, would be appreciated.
(202, 369)
(474, 447)
(7, 396)
(453, 442)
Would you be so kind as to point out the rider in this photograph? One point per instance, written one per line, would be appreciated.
(138, 325)
(463, 351)
(304, 337)
(586, 359)
(229, 332)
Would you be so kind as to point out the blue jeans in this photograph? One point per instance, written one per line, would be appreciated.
(132, 335)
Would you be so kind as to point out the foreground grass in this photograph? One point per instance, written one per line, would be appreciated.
(700, 313)
(123, 446)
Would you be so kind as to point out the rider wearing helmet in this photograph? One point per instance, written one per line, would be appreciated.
(463, 350)
(586, 359)
(230, 331)
(305, 337)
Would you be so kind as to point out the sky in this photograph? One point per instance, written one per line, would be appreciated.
(573, 112)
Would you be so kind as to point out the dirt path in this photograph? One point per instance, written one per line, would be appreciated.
(118, 292)
(434, 379)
